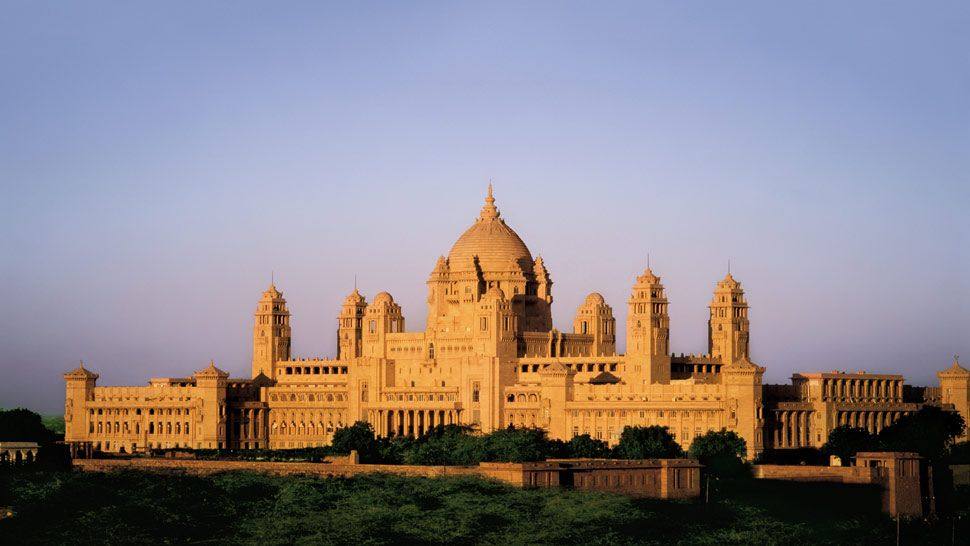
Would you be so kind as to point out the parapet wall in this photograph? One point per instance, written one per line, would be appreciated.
(205, 468)
(662, 478)
(837, 474)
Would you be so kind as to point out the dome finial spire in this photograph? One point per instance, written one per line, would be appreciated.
(489, 211)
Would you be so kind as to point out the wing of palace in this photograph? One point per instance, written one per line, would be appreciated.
(490, 357)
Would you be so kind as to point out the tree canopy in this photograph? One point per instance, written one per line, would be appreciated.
(23, 425)
(653, 442)
(721, 452)
(929, 432)
(845, 441)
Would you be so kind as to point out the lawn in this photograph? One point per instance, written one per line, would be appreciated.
(244, 508)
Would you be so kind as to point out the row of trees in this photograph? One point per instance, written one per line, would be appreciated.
(721, 451)
(931, 432)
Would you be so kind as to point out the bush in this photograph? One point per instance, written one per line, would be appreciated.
(653, 442)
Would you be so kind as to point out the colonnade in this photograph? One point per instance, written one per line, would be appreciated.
(410, 422)
(795, 429)
(859, 389)
(18, 452)
(873, 421)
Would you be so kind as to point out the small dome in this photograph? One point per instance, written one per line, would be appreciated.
(595, 299)
(383, 297)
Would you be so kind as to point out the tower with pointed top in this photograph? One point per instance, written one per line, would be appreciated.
(648, 329)
(350, 326)
(271, 332)
(727, 328)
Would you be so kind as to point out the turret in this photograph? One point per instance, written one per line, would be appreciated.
(595, 318)
(79, 384)
(743, 401)
(955, 389)
(496, 324)
(648, 329)
(210, 409)
(350, 327)
(271, 332)
(382, 317)
(727, 328)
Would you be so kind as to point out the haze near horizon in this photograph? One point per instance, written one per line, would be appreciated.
(161, 162)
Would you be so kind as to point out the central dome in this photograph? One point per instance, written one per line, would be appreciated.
(496, 245)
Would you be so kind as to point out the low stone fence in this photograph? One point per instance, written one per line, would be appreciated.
(837, 474)
(653, 478)
(205, 468)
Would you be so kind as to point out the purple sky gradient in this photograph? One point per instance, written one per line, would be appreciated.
(158, 162)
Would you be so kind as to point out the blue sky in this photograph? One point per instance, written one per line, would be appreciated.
(159, 161)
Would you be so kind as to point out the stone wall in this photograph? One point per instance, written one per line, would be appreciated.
(660, 478)
(205, 468)
(837, 474)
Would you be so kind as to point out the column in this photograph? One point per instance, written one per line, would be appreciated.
(784, 429)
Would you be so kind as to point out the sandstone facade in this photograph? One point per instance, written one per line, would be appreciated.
(490, 357)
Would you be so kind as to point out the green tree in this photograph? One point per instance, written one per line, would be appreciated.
(585, 446)
(929, 432)
(23, 425)
(721, 452)
(446, 445)
(845, 441)
(360, 437)
(516, 445)
(653, 442)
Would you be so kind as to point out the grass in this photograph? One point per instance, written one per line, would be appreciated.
(245, 508)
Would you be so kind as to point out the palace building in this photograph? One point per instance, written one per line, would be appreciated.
(490, 357)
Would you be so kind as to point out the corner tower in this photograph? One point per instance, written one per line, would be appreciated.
(271, 332)
(727, 328)
(955, 389)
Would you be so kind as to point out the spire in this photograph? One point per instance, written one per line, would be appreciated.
(489, 211)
